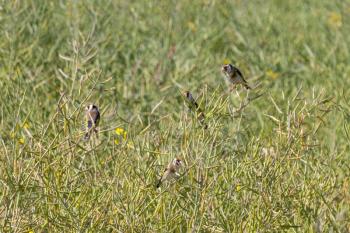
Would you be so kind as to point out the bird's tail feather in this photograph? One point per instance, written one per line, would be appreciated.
(247, 86)
(159, 182)
(87, 136)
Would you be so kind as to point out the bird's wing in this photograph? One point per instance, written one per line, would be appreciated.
(94, 116)
(165, 175)
(89, 124)
(239, 72)
(97, 120)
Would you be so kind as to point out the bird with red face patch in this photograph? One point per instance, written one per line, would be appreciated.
(171, 171)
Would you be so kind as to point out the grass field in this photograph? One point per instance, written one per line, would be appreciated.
(273, 159)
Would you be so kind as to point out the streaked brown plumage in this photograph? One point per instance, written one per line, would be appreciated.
(171, 171)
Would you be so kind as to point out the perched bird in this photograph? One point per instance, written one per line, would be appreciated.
(93, 118)
(234, 75)
(171, 171)
(190, 100)
(193, 105)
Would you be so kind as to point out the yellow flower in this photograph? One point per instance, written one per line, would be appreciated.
(122, 135)
(30, 231)
(226, 61)
(25, 125)
(21, 140)
(335, 20)
(238, 187)
(272, 74)
(192, 26)
(122, 132)
(12, 134)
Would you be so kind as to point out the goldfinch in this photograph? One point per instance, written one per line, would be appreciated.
(171, 171)
(190, 100)
(93, 118)
(193, 105)
(234, 75)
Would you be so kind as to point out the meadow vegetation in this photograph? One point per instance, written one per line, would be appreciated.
(273, 159)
